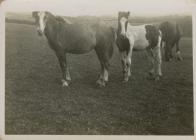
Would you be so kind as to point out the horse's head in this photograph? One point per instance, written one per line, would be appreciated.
(40, 20)
(122, 22)
(152, 35)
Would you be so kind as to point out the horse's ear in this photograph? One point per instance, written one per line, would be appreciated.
(147, 27)
(47, 14)
(128, 13)
(34, 14)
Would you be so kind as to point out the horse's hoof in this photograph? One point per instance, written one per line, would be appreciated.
(100, 83)
(125, 80)
(68, 78)
(65, 83)
(179, 58)
(150, 73)
(168, 59)
(157, 78)
(149, 77)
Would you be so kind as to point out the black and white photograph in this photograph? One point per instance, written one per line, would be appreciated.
(97, 67)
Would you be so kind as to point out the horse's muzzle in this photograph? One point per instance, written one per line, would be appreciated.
(123, 35)
(39, 32)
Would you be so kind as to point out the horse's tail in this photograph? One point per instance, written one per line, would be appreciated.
(179, 31)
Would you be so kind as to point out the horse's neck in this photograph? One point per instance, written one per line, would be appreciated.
(53, 24)
(131, 30)
(52, 28)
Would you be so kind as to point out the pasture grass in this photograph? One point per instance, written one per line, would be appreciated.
(36, 103)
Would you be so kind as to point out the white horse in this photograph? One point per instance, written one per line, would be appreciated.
(142, 37)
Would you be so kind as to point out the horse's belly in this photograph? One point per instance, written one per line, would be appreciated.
(140, 44)
(79, 43)
(80, 46)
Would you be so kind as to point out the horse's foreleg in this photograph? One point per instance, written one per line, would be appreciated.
(126, 63)
(151, 61)
(157, 62)
(64, 68)
(162, 49)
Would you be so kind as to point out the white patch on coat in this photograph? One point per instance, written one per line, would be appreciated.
(137, 36)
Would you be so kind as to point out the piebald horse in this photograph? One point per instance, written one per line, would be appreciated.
(76, 38)
(142, 37)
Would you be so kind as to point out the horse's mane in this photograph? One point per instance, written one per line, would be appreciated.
(61, 19)
(58, 18)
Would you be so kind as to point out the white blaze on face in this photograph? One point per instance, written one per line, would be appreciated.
(123, 21)
(42, 23)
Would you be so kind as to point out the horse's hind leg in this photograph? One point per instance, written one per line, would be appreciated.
(178, 54)
(168, 51)
(100, 80)
(104, 74)
(151, 62)
(104, 57)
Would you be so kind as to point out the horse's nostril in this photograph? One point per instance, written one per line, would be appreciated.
(39, 32)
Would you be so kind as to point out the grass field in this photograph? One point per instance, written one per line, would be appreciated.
(36, 103)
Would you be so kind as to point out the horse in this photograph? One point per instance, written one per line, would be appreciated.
(141, 37)
(76, 38)
(171, 35)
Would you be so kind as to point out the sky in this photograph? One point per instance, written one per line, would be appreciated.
(103, 7)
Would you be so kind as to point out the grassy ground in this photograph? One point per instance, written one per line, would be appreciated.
(36, 103)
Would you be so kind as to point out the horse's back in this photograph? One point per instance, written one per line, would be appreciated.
(77, 38)
(170, 30)
(137, 35)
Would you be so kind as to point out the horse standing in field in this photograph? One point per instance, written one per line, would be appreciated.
(64, 37)
(142, 37)
(171, 35)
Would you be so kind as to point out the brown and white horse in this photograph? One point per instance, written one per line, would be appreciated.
(64, 37)
(142, 37)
